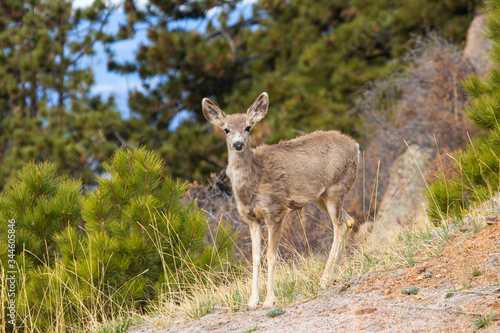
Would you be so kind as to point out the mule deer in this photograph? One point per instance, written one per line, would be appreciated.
(272, 180)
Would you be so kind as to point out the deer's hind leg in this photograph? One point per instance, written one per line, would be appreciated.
(342, 226)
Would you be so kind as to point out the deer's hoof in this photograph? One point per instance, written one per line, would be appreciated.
(253, 304)
(269, 302)
(325, 283)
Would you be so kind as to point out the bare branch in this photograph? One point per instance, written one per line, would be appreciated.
(253, 20)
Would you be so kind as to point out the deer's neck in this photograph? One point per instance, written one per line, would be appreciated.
(244, 171)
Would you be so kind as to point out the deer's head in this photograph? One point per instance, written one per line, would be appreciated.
(237, 126)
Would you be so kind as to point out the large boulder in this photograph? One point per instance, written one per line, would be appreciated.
(403, 202)
(478, 46)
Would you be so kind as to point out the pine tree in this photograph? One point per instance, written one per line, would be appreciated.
(46, 111)
(142, 211)
(178, 69)
(478, 165)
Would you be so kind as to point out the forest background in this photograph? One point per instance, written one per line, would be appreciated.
(310, 59)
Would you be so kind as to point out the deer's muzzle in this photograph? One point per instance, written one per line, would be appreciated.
(238, 145)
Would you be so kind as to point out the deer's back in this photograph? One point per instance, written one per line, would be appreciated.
(303, 168)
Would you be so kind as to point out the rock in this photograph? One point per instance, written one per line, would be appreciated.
(361, 312)
(344, 287)
(495, 306)
(403, 200)
(477, 46)
(493, 262)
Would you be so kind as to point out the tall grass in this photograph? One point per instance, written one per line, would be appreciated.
(71, 301)
(68, 295)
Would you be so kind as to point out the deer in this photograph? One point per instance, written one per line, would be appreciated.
(270, 181)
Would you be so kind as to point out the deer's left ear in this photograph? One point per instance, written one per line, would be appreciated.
(258, 110)
(213, 113)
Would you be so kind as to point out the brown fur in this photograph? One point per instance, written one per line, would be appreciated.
(272, 180)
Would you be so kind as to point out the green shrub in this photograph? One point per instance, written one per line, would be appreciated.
(91, 257)
(275, 312)
(155, 234)
(410, 291)
(485, 320)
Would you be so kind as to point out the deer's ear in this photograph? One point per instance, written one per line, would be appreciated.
(258, 110)
(213, 113)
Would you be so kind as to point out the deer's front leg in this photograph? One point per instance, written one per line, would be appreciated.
(256, 236)
(274, 233)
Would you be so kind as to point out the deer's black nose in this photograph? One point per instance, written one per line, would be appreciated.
(238, 145)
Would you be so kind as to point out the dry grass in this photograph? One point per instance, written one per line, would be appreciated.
(64, 291)
(70, 301)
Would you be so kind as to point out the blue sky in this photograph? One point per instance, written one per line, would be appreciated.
(108, 83)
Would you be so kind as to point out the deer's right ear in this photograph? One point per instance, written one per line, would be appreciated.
(213, 113)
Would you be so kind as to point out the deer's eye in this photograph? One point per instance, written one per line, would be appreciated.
(226, 130)
(248, 129)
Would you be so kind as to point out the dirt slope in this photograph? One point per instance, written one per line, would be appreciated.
(360, 312)
(455, 288)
